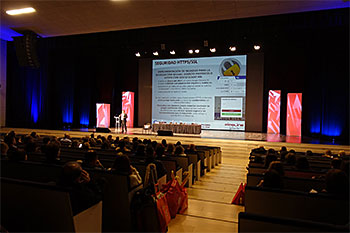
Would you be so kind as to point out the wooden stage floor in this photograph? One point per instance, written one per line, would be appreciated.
(210, 208)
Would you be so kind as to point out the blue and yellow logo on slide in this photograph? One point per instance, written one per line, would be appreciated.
(230, 67)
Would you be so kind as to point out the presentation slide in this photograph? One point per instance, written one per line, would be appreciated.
(210, 91)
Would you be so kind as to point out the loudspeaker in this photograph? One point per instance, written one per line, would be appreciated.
(26, 49)
(103, 130)
(165, 133)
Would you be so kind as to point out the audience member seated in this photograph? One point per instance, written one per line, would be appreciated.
(271, 180)
(336, 163)
(52, 152)
(179, 151)
(164, 143)
(341, 154)
(337, 182)
(277, 166)
(17, 155)
(86, 146)
(122, 165)
(191, 149)
(283, 153)
(269, 158)
(83, 193)
(122, 147)
(170, 149)
(291, 159)
(309, 153)
(151, 158)
(34, 135)
(178, 143)
(66, 139)
(75, 144)
(141, 150)
(46, 141)
(12, 143)
(258, 159)
(4, 149)
(259, 150)
(91, 161)
(30, 146)
(328, 154)
(302, 163)
(160, 150)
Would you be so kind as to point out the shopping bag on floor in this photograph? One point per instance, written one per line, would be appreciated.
(160, 198)
(183, 203)
(238, 199)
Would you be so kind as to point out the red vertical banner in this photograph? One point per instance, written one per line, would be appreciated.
(294, 114)
(102, 115)
(128, 107)
(273, 117)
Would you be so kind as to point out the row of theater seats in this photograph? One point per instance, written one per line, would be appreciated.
(294, 208)
(30, 196)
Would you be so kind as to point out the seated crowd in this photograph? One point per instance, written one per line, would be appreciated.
(333, 168)
(84, 191)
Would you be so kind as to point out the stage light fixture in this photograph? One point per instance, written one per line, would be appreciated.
(137, 54)
(213, 50)
(232, 48)
(172, 52)
(190, 51)
(196, 51)
(256, 47)
(21, 11)
(155, 53)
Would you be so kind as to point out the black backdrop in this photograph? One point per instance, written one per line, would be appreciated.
(304, 52)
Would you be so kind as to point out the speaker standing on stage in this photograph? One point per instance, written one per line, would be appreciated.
(124, 117)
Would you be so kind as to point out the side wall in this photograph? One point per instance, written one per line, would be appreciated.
(3, 57)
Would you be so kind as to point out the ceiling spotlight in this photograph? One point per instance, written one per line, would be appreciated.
(256, 47)
(172, 52)
(190, 51)
(213, 50)
(232, 48)
(196, 51)
(21, 11)
(137, 54)
(155, 53)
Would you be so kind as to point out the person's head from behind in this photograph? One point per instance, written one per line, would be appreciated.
(171, 148)
(277, 166)
(337, 182)
(179, 150)
(4, 148)
(141, 149)
(192, 147)
(86, 146)
(302, 163)
(91, 157)
(283, 148)
(154, 144)
(308, 153)
(269, 158)
(75, 144)
(52, 152)
(328, 153)
(105, 145)
(336, 163)
(271, 151)
(160, 150)
(150, 152)
(73, 173)
(17, 155)
(34, 135)
(122, 164)
(178, 143)
(272, 179)
(164, 143)
(46, 140)
(258, 159)
(342, 154)
(291, 159)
